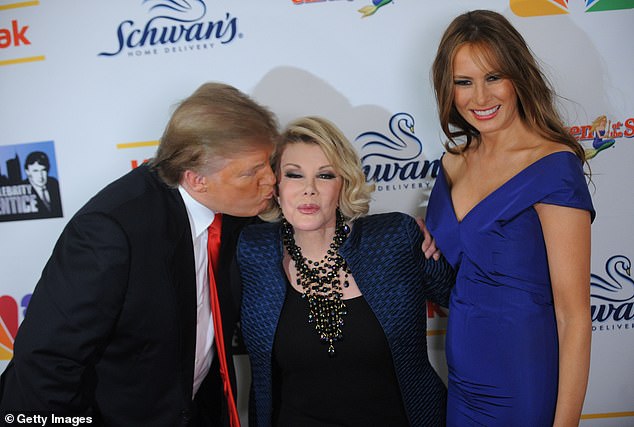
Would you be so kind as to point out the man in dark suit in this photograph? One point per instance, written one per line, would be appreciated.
(45, 187)
(119, 327)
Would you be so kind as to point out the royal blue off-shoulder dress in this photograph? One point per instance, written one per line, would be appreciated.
(502, 348)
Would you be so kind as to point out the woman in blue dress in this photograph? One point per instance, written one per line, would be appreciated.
(511, 211)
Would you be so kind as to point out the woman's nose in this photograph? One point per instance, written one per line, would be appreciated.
(310, 187)
(482, 94)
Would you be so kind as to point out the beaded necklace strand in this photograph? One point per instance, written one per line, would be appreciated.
(321, 284)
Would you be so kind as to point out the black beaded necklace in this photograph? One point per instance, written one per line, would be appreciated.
(320, 282)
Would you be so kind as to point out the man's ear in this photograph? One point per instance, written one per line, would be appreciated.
(194, 181)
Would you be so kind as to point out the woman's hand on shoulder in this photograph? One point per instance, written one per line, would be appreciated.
(429, 243)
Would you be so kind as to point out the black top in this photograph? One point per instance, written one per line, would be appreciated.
(357, 387)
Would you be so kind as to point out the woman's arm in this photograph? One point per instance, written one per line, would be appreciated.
(429, 243)
(567, 236)
(437, 274)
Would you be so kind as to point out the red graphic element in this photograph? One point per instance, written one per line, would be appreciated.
(135, 163)
(13, 36)
(8, 326)
(434, 310)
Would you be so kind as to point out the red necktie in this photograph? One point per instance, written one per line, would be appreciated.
(213, 249)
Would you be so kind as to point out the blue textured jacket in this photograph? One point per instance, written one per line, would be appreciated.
(384, 255)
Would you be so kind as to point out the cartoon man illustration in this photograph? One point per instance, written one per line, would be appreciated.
(46, 188)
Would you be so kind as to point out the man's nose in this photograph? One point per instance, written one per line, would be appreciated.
(269, 176)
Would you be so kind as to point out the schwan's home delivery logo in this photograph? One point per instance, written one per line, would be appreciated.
(527, 8)
(613, 296)
(393, 160)
(173, 26)
(9, 321)
(602, 133)
(29, 188)
(16, 45)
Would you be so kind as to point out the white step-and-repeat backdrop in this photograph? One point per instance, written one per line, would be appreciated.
(89, 85)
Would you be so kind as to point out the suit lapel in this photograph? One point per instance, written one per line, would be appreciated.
(228, 283)
(183, 279)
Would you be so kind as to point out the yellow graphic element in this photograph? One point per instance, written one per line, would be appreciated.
(18, 5)
(137, 144)
(607, 415)
(526, 8)
(367, 11)
(436, 332)
(5, 354)
(6, 342)
(22, 60)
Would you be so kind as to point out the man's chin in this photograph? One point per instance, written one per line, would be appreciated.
(245, 213)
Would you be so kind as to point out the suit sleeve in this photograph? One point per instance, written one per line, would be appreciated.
(72, 312)
(438, 276)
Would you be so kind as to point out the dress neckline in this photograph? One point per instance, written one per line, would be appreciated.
(490, 195)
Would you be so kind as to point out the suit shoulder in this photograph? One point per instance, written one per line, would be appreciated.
(388, 222)
(392, 231)
(139, 189)
(139, 201)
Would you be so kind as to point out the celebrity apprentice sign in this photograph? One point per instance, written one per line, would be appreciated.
(29, 188)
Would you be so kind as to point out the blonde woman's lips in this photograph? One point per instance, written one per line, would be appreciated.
(308, 209)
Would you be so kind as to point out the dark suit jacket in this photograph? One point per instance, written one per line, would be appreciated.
(110, 328)
(384, 254)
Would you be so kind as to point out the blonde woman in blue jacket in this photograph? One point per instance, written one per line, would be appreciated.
(333, 301)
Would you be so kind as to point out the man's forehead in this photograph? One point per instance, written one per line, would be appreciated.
(249, 151)
(35, 165)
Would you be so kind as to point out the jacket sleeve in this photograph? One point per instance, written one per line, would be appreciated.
(438, 276)
(72, 312)
(439, 280)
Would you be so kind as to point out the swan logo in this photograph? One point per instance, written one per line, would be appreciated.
(393, 160)
(602, 134)
(528, 8)
(173, 26)
(613, 295)
(9, 322)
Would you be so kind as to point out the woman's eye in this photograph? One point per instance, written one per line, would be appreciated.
(326, 176)
(462, 82)
(292, 175)
(494, 78)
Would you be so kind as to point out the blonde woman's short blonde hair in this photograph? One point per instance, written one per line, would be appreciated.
(355, 195)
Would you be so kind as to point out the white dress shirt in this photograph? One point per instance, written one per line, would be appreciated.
(200, 218)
